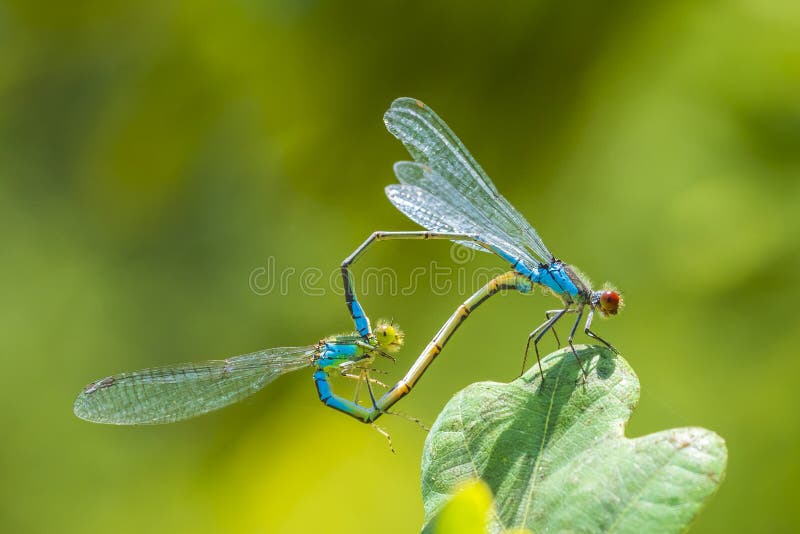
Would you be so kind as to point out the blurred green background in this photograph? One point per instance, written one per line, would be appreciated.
(154, 154)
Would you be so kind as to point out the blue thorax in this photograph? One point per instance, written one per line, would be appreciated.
(553, 275)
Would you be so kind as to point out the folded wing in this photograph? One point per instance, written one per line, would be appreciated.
(169, 394)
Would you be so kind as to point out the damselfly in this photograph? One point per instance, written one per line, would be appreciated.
(448, 193)
(175, 393)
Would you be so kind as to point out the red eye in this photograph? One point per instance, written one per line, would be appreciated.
(609, 302)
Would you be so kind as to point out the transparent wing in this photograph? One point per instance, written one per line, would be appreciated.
(452, 207)
(456, 173)
(433, 213)
(169, 394)
(427, 211)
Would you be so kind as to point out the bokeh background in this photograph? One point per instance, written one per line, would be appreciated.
(153, 155)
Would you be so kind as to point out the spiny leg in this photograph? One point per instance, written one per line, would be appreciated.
(386, 435)
(373, 380)
(571, 346)
(411, 418)
(360, 379)
(370, 348)
(369, 389)
(547, 316)
(536, 335)
(591, 334)
(550, 313)
(364, 378)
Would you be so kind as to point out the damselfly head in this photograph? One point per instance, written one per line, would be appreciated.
(609, 301)
(390, 337)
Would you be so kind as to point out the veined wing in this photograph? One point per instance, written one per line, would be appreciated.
(435, 214)
(169, 394)
(446, 204)
(431, 142)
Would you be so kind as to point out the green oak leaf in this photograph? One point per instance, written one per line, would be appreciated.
(556, 458)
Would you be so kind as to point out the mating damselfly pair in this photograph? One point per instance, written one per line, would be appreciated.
(445, 191)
